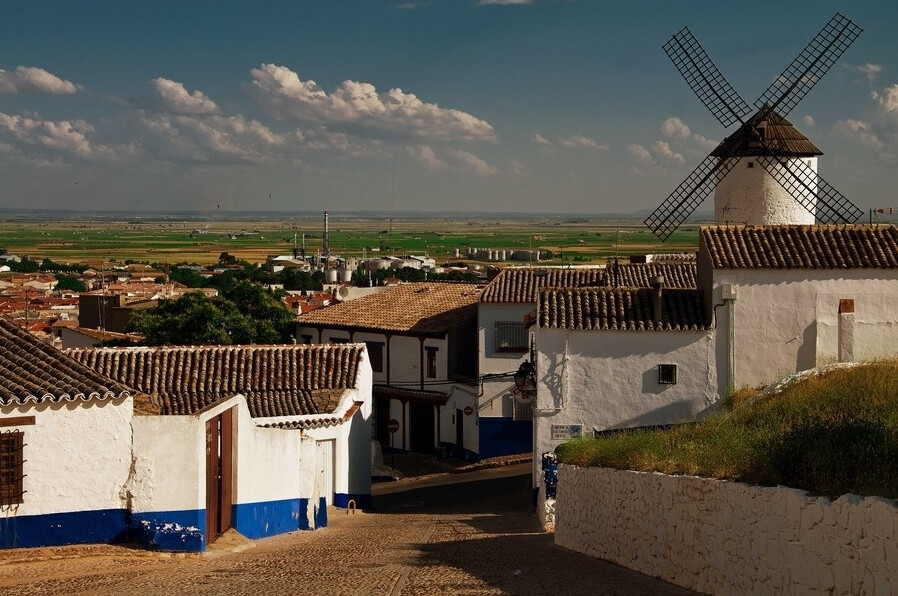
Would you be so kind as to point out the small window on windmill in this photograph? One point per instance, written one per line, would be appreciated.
(751, 164)
(667, 374)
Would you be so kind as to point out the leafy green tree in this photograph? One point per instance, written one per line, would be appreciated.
(69, 282)
(188, 277)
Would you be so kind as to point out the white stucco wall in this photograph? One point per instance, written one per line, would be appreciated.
(749, 195)
(729, 538)
(609, 379)
(497, 399)
(77, 455)
(787, 320)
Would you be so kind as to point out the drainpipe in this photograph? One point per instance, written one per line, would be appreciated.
(728, 293)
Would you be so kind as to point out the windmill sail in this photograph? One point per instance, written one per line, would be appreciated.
(705, 79)
(810, 65)
(686, 198)
(810, 190)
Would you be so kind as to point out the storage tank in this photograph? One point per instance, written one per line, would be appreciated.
(346, 275)
(377, 264)
(331, 276)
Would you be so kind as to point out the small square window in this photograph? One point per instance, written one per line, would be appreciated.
(431, 362)
(338, 340)
(667, 374)
(751, 164)
(306, 339)
(511, 336)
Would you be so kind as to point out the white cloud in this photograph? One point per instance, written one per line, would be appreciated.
(280, 91)
(871, 71)
(541, 140)
(175, 98)
(674, 127)
(27, 79)
(858, 132)
(426, 155)
(409, 5)
(470, 162)
(809, 120)
(64, 138)
(888, 99)
(487, 2)
(640, 154)
(662, 150)
(516, 168)
(581, 142)
(704, 143)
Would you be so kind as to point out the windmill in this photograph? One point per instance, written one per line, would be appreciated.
(785, 180)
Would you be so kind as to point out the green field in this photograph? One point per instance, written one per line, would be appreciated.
(172, 241)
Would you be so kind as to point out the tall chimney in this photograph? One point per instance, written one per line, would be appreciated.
(326, 247)
(846, 330)
(657, 284)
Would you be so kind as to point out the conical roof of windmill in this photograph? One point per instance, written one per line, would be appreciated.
(780, 137)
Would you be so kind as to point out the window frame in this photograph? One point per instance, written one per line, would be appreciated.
(667, 374)
(499, 335)
(12, 489)
(431, 361)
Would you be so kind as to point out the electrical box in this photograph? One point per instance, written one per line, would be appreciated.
(728, 292)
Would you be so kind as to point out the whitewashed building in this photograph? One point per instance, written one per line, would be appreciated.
(504, 340)
(421, 341)
(65, 446)
(769, 301)
(258, 438)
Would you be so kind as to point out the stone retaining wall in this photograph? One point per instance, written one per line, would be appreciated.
(726, 537)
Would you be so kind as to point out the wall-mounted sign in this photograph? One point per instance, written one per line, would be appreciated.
(393, 425)
(566, 431)
(468, 410)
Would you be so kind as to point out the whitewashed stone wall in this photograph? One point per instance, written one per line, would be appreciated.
(726, 537)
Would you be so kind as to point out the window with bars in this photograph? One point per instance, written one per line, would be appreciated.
(11, 468)
(511, 336)
(522, 412)
(667, 374)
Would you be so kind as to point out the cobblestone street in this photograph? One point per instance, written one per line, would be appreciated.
(476, 535)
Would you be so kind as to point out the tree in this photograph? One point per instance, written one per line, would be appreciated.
(68, 282)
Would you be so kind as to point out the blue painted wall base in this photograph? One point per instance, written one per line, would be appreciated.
(258, 520)
(319, 514)
(505, 436)
(170, 530)
(54, 529)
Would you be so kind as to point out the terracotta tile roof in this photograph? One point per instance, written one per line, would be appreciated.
(639, 275)
(316, 422)
(410, 394)
(426, 307)
(276, 380)
(801, 247)
(519, 285)
(627, 309)
(780, 136)
(32, 371)
(522, 285)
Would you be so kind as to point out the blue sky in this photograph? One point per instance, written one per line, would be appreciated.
(552, 106)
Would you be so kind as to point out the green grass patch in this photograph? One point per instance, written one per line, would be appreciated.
(830, 434)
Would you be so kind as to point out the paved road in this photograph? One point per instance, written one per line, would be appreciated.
(475, 535)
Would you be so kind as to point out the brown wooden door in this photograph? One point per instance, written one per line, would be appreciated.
(219, 474)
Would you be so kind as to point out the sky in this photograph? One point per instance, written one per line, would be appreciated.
(529, 106)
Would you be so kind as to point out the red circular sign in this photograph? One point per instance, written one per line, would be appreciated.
(468, 410)
(393, 425)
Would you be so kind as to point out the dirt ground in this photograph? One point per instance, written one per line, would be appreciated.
(472, 533)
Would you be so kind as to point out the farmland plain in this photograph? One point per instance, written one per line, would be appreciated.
(200, 238)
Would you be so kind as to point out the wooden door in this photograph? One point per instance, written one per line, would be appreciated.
(325, 465)
(219, 474)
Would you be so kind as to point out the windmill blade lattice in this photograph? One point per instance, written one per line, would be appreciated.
(688, 196)
(811, 191)
(810, 65)
(705, 79)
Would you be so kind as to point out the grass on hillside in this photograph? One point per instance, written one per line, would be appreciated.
(830, 434)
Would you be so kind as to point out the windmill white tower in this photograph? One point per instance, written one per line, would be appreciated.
(766, 171)
(748, 194)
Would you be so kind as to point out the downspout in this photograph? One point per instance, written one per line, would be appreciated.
(728, 293)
